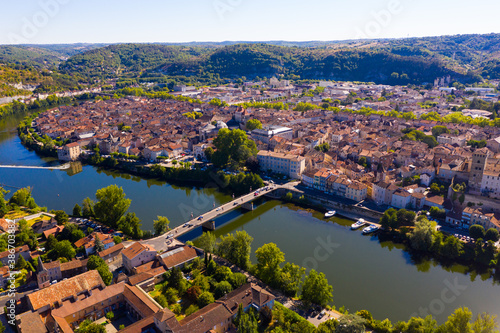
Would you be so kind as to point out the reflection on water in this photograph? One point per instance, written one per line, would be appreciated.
(364, 273)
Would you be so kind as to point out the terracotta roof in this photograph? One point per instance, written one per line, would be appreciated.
(19, 249)
(30, 322)
(135, 249)
(439, 200)
(114, 248)
(54, 231)
(141, 277)
(71, 306)
(65, 288)
(73, 264)
(142, 302)
(178, 256)
(89, 241)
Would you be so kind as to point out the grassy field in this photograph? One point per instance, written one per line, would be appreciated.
(15, 214)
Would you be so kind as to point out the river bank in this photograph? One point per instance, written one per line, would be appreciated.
(366, 273)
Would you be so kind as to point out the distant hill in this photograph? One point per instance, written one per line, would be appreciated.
(466, 58)
(41, 56)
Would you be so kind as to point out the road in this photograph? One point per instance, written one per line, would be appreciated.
(160, 242)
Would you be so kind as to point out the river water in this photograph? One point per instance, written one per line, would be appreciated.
(364, 273)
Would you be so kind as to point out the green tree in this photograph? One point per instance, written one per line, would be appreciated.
(485, 323)
(476, 231)
(422, 237)
(253, 124)
(350, 323)
(438, 130)
(452, 247)
(236, 248)
(88, 207)
(209, 151)
(160, 225)
(207, 241)
(21, 196)
(232, 146)
(94, 262)
(222, 288)
(64, 249)
(87, 326)
(110, 315)
(97, 263)
(246, 322)
(98, 246)
(388, 221)
(269, 258)
(290, 278)
(106, 275)
(191, 309)
(492, 234)
(205, 298)
(21, 263)
(237, 280)
(316, 289)
(50, 243)
(77, 210)
(171, 295)
(130, 224)
(222, 273)
(459, 321)
(61, 217)
(3, 207)
(111, 205)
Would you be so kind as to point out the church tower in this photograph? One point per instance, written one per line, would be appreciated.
(479, 160)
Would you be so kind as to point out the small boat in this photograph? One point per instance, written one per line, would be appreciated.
(330, 213)
(358, 224)
(371, 228)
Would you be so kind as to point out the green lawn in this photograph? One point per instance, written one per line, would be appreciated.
(15, 214)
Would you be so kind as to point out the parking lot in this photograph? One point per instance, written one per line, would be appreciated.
(84, 224)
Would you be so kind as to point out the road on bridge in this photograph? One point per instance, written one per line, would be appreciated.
(159, 243)
(59, 167)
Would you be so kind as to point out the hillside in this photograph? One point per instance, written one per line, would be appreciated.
(466, 58)
(398, 61)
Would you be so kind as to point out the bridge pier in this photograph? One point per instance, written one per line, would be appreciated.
(247, 205)
(208, 226)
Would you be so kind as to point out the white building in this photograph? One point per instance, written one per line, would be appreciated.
(137, 254)
(490, 184)
(290, 165)
(265, 135)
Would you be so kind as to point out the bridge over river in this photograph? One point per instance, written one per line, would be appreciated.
(206, 220)
(58, 167)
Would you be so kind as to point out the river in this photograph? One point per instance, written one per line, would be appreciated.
(364, 273)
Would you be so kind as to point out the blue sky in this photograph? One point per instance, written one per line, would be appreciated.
(112, 21)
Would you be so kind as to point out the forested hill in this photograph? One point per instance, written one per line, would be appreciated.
(466, 58)
(251, 60)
